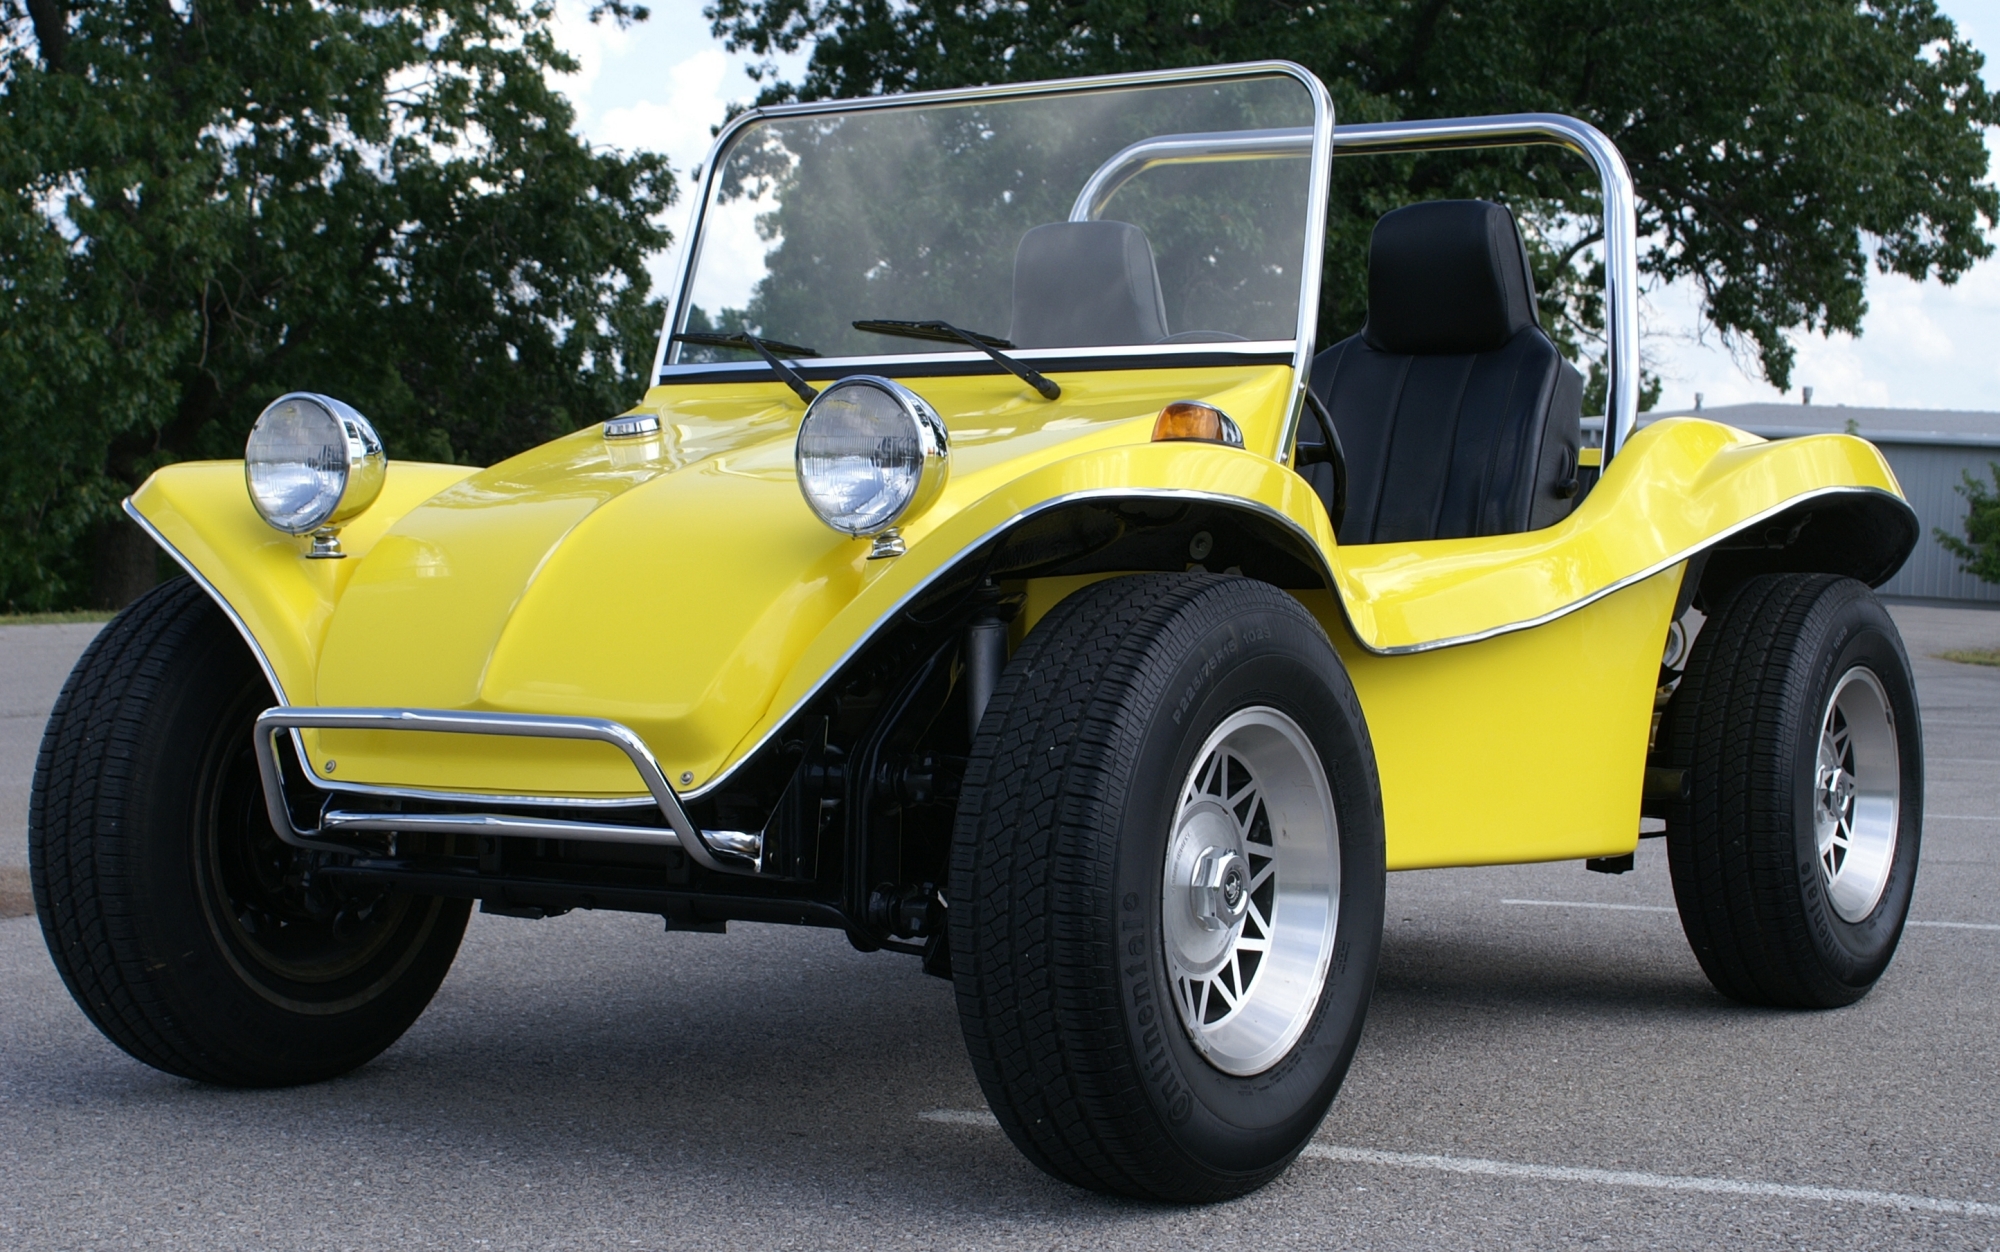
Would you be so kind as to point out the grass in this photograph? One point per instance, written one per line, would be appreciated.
(1972, 656)
(54, 619)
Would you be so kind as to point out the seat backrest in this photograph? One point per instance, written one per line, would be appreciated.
(1086, 285)
(1456, 414)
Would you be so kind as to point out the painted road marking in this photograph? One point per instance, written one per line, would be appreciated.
(1657, 1182)
(1586, 904)
(1661, 908)
(984, 1120)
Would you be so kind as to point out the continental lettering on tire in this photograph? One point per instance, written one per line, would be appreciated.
(1155, 1062)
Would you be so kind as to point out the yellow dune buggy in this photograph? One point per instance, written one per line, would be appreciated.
(994, 572)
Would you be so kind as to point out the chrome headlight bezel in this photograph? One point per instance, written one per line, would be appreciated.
(908, 417)
(349, 479)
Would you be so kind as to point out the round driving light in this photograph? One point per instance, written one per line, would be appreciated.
(312, 463)
(871, 452)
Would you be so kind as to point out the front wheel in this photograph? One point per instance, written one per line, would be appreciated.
(187, 931)
(1167, 887)
(1795, 853)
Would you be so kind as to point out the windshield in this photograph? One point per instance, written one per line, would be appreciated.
(1109, 217)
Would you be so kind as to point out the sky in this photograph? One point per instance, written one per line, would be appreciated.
(664, 84)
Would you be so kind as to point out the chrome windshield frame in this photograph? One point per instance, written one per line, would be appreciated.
(1621, 223)
(1315, 234)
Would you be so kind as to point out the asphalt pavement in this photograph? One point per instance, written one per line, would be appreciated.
(1544, 1067)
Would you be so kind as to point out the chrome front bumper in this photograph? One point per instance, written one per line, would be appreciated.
(726, 851)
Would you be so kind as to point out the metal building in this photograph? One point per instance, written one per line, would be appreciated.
(1931, 451)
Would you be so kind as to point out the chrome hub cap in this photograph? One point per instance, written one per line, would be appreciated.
(1857, 789)
(1251, 891)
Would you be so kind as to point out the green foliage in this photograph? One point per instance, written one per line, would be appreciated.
(205, 205)
(1776, 144)
(1979, 552)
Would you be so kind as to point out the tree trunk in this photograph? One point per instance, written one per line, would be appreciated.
(127, 565)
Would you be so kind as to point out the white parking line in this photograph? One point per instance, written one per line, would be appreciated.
(1661, 908)
(963, 1117)
(1586, 904)
(1657, 1182)
(984, 1120)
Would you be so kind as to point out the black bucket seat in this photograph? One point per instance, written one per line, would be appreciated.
(1456, 414)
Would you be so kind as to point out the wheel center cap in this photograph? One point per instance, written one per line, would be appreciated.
(1836, 790)
(1219, 888)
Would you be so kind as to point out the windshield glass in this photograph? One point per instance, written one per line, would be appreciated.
(974, 214)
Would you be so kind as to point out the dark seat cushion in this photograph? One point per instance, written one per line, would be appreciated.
(1086, 285)
(1456, 414)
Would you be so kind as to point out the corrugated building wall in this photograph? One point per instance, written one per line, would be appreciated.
(1930, 472)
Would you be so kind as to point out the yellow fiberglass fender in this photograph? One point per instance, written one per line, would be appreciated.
(1679, 487)
(200, 512)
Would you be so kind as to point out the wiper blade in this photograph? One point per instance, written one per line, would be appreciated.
(766, 348)
(945, 332)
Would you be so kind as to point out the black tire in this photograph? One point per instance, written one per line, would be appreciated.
(1746, 725)
(1056, 885)
(186, 930)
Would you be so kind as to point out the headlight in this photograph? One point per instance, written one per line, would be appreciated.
(871, 452)
(312, 463)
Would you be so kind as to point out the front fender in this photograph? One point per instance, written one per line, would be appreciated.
(200, 512)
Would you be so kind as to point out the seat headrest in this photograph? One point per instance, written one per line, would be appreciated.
(1086, 285)
(1447, 277)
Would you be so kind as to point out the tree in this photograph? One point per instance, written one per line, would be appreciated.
(1778, 146)
(207, 203)
(1979, 552)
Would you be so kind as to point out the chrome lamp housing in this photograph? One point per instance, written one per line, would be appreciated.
(312, 464)
(871, 453)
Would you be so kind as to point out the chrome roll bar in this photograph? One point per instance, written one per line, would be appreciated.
(1621, 266)
(1621, 222)
(725, 851)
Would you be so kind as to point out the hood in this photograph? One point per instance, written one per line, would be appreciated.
(669, 583)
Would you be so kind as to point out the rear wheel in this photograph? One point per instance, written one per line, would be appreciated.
(188, 932)
(1795, 853)
(1166, 887)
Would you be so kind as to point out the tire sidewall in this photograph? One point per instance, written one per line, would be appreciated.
(1251, 654)
(235, 1020)
(1857, 632)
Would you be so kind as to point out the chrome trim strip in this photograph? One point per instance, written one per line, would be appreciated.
(1630, 579)
(912, 364)
(1238, 502)
(902, 602)
(1621, 221)
(693, 841)
(228, 609)
(1135, 159)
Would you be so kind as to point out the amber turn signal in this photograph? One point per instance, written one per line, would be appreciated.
(1191, 419)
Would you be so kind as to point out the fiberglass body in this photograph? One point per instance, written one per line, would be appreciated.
(676, 582)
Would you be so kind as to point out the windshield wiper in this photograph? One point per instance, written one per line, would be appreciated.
(945, 332)
(744, 341)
